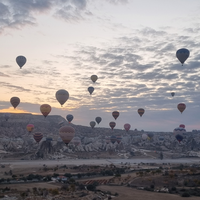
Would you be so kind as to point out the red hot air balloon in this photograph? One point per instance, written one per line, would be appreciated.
(37, 137)
(15, 101)
(45, 109)
(181, 107)
(30, 127)
(115, 114)
(112, 125)
(182, 125)
(141, 111)
(66, 133)
(127, 127)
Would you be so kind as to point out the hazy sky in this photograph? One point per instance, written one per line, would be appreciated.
(129, 44)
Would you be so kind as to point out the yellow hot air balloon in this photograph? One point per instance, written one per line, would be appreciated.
(15, 101)
(66, 133)
(62, 96)
(94, 78)
(30, 127)
(45, 109)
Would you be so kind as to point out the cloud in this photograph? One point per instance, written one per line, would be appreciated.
(4, 75)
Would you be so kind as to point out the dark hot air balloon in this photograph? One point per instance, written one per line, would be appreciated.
(69, 118)
(112, 125)
(66, 133)
(15, 101)
(141, 111)
(21, 60)
(182, 55)
(98, 120)
(115, 114)
(181, 107)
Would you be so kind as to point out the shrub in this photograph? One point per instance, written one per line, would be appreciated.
(185, 194)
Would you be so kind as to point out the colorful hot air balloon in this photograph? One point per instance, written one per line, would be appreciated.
(69, 118)
(173, 93)
(90, 90)
(179, 131)
(150, 135)
(66, 133)
(45, 109)
(37, 137)
(182, 55)
(179, 137)
(76, 141)
(119, 139)
(15, 101)
(62, 96)
(7, 116)
(144, 136)
(127, 127)
(30, 127)
(181, 107)
(92, 124)
(182, 126)
(113, 139)
(141, 111)
(94, 78)
(115, 114)
(112, 125)
(98, 119)
(21, 60)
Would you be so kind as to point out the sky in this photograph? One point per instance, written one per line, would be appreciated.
(129, 44)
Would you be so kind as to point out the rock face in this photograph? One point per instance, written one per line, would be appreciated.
(16, 139)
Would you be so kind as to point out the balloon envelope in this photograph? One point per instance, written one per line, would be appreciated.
(119, 139)
(179, 137)
(15, 101)
(21, 60)
(182, 125)
(113, 139)
(144, 136)
(173, 93)
(179, 131)
(94, 78)
(76, 141)
(37, 137)
(7, 116)
(98, 119)
(182, 55)
(92, 124)
(30, 127)
(127, 127)
(181, 107)
(115, 114)
(69, 118)
(141, 111)
(45, 109)
(62, 96)
(90, 90)
(66, 133)
(112, 125)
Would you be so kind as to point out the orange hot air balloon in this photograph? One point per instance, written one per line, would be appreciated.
(115, 114)
(66, 133)
(141, 111)
(30, 127)
(181, 107)
(45, 109)
(15, 101)
(37, 137)
(112, 125)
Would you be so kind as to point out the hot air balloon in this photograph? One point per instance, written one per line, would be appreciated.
(15, 101)
(62, 96)
(98, 120)
(37, 137)
(119, 139)
(173, 93)
(115, 114)
(92, 124)
(94, 78)
(69, 118)
(181, 107)
(45, 109)
(112, 125)
(150, 135)
(113, 139)
(179, 131)
(21, 60)
(179, 137)
(127, 127)
(7, 116)
(182, 55)
(66, 133)
(182, 126)
(76, 141)
(90, 90)
(144, 136)
(49, 139)
(30, 127)
(141, 111)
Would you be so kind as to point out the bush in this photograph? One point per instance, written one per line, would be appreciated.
(185, 194)
(173, 188)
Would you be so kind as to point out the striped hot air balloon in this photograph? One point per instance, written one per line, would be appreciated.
(45, 109)
(112, 125)
(181, 107)
(15, 101)
(115, 114)
(141, 111)
(66, 133)
(37, 137)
